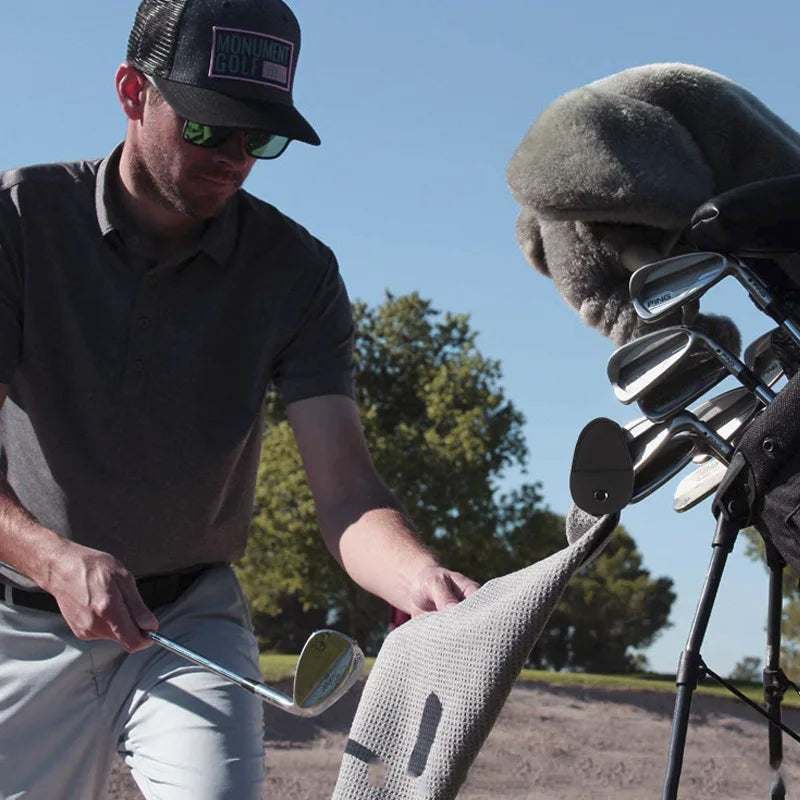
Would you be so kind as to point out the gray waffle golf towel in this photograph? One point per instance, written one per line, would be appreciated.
(440, 680)
(609, 175)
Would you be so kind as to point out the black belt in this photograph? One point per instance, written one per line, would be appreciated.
(156, 590)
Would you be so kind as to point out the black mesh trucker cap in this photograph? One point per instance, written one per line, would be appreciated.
(223, 62)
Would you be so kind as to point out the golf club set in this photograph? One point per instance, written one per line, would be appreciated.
(665, 371)
(744, 443)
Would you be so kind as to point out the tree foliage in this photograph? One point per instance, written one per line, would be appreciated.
(441, 433)
(790, 622)
(608, 610)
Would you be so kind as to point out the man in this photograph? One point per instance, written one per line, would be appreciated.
(146, 303)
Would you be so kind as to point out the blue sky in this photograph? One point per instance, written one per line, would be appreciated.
(420, 105)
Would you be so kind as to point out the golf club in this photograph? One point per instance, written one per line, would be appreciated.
(639, 365)
(329, 664)
(676, 391)
(659, 450)
(727, 413)
(661, 287)
(662, 464)
(760, 357)
(698, 485)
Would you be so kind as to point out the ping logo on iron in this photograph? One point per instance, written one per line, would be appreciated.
(658, 300)
(250, 56)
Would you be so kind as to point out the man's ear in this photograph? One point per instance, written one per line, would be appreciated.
(131, 90)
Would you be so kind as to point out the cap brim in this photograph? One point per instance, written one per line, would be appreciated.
(212, 108)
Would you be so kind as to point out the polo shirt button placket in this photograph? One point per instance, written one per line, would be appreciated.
(141, 334)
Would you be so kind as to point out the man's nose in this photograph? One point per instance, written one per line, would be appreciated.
(233, 149)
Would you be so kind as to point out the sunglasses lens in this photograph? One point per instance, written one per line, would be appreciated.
(204, 135)
(261, 144)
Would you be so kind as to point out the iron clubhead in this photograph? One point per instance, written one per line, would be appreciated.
(638, 365)
(666, 285)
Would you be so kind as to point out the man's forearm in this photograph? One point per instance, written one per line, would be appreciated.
(379, 549)
(97, 596)
(25, 545)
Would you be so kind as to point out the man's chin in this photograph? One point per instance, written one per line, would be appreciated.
(208, 207)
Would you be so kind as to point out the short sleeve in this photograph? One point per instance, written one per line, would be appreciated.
(318, 359)
(10, 298)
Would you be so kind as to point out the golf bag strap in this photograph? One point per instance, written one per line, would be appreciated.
(773, 436)
(762, 484)
(736, 496)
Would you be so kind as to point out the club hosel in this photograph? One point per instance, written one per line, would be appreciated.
(762, 392)
(745, 375)
(249, 684)
(688, 425)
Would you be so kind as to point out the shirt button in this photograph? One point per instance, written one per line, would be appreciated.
(138, 364)
(143, 322)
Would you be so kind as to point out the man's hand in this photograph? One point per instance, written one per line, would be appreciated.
(98, 597)
(436, 588)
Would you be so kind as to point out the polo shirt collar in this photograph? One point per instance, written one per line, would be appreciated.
(217, 241)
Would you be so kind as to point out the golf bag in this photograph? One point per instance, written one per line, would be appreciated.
(765, 473)
(760, 222)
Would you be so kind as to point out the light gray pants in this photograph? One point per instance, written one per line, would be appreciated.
(67, 706)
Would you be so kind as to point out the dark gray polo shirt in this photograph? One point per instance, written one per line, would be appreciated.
(135, 410)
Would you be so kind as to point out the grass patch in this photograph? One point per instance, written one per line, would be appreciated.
(647, 683)
(278, 667)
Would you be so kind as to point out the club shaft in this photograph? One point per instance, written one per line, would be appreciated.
(255, 687)
(765, 301)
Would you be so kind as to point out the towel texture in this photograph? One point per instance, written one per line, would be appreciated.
(440, 680)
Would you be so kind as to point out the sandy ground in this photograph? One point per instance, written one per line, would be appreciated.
(555, 744)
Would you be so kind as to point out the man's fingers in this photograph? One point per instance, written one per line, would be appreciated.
(440, 589)
(140, 616)
(465, 585)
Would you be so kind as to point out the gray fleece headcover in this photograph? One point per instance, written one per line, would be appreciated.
(440, 680)
(609, 175)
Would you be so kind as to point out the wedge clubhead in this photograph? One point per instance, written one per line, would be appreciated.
(699, 484)
(329, 664)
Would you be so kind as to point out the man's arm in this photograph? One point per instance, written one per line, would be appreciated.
(97, 595)
(361, 521)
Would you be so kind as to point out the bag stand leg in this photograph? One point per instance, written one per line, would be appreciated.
(775, 682)
(689, 664)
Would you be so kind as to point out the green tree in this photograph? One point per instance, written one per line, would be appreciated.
(790, 621)
(441, 433)
(747, 670)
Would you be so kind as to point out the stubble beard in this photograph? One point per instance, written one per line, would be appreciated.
(159, 186)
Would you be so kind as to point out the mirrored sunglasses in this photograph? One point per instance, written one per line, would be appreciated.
(258, 144)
